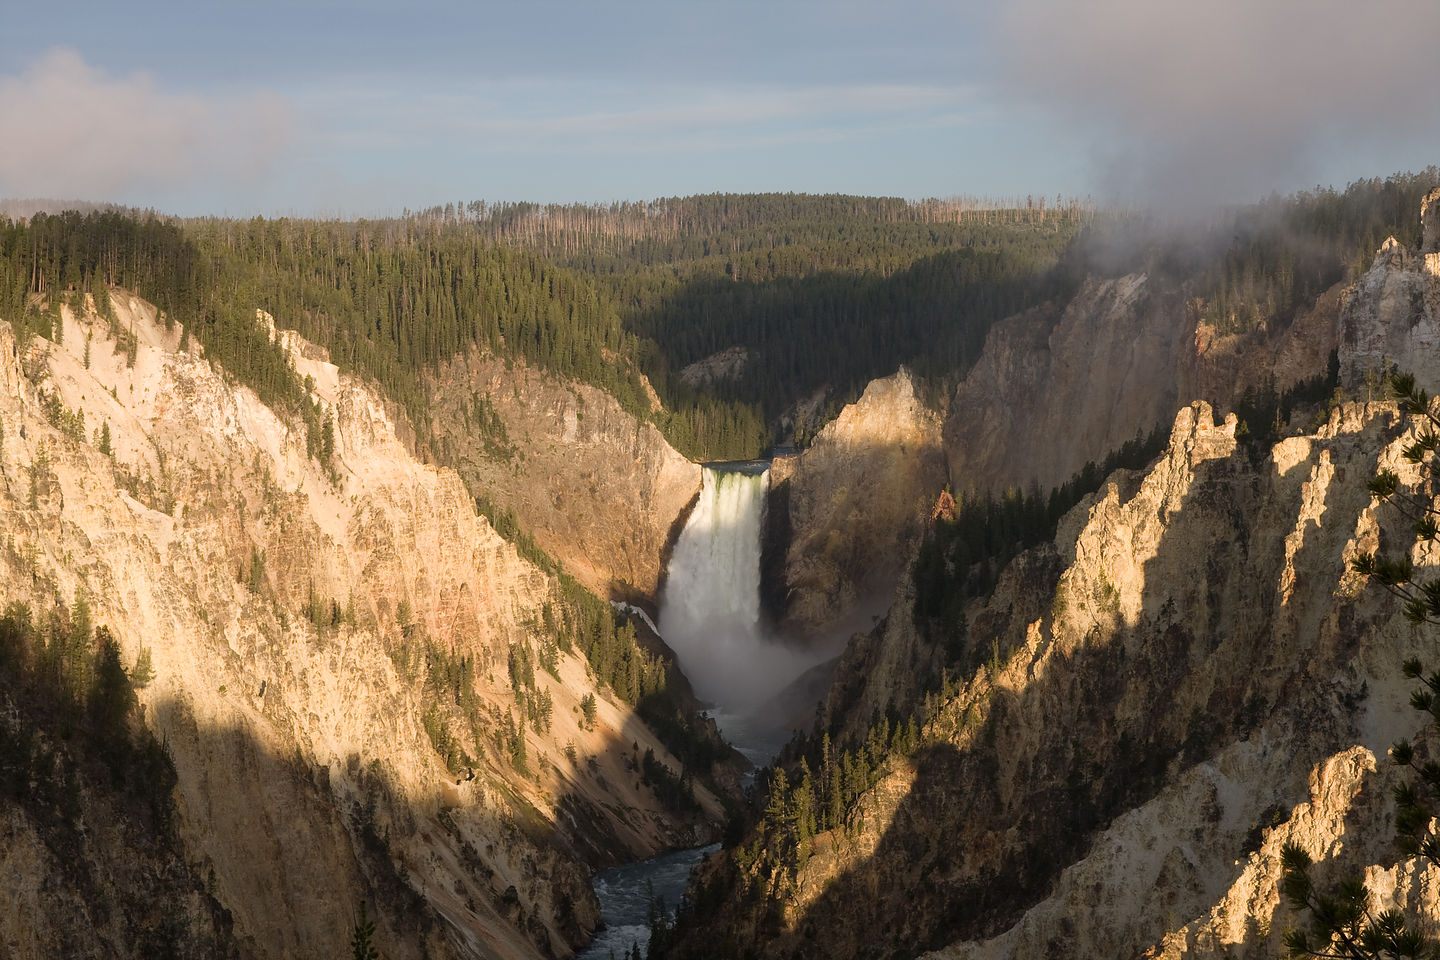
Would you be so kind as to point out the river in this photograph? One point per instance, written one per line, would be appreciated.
(710, 618)
(625, 893)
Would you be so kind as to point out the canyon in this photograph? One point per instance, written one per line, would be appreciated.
(595, 487)
(1146, 709)
(369, 695)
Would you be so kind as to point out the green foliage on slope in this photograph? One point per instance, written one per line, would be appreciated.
(819, 289)
(389, 300)
(88, 779)
(1264, 263)
(962, 555)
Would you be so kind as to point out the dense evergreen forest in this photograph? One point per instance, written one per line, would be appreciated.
(820, 290)
(1255, 267)
(389, 300)
(817, 291)
(836, 290)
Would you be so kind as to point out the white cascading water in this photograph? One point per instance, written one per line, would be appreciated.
(710, 617)
(710, 614)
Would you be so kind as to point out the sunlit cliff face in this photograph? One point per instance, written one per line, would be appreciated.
(295, 616)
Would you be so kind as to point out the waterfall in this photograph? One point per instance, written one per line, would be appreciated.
(710, 613)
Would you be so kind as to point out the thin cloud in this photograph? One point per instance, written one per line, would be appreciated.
(521, 116)
(731, 109)
(73, 131)
(1190, 103)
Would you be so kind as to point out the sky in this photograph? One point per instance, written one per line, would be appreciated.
(362, 108)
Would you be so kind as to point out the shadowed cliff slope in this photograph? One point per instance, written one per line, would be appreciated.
(857, 498)
(367, 694)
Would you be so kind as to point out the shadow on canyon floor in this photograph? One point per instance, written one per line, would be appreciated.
(293, 845)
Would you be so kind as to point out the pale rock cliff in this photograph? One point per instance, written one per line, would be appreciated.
(857, 497)
(724, 364)
(1319, 674)
(307, 780)
(1051, 392)
(1064, 384)
(599, 490)
(1392, 314)
(1188, 677)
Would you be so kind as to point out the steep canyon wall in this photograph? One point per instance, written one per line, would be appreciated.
(317, 632)
(599, 490)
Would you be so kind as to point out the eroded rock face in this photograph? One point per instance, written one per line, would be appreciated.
(1188, 677)
(309, 779)
(1062, 385)
(1308, 666)
(597, 489)
(857, 498)
(1430, 222)
(1392, 315)
(1049, 391)
(722, 365)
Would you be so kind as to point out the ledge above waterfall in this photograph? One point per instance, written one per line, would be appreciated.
(752, 467)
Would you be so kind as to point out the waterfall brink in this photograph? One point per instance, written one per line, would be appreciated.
(710, 613)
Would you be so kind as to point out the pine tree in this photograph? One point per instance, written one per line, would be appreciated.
(77, 656)
(111, 697)
(803, 810)
(361, 940)
(778, 823)
(144, 670)
(256, 580)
